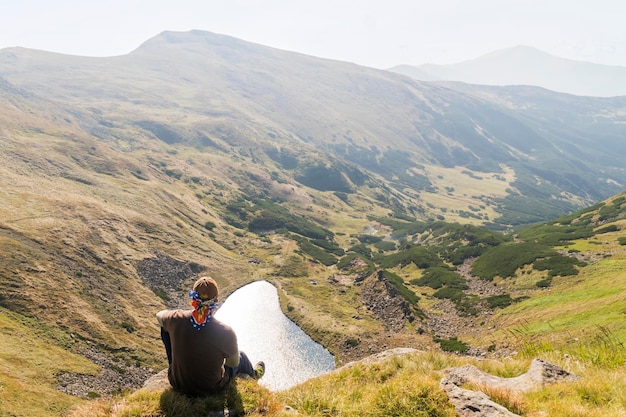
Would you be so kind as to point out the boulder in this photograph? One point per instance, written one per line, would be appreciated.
(468, 403)
(379, 357)
(157, 382)
(539, 373)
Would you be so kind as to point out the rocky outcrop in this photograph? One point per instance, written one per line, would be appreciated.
(468, 403)
(539, 373)
(477, 404)
(157, 382)
(383, 299)
(379, 357)
(163, 273)
(114, 376)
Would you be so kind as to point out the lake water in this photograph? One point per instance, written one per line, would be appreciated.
(265, 333)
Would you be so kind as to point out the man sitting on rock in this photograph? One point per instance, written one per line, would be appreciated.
(202, 352)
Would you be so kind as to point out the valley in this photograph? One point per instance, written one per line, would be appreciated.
(470, 223)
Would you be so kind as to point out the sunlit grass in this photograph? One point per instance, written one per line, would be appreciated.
(29, 360)
(512, 400)
(598, 392)
(397, 386)
(575, 310)
(241, 397)
(407, 385)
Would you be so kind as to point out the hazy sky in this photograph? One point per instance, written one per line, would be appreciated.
(378, 34)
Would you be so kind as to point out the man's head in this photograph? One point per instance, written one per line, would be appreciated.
(206, 287)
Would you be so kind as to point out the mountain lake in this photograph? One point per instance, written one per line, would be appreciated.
(265, 333)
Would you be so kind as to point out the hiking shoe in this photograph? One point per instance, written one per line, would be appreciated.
(259, 370)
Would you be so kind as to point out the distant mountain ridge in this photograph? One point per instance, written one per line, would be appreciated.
(316, 118)
(524, 65)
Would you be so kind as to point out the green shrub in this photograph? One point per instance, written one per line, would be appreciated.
(422, 256)
(558, 265)
(607, 229)
(352, 342)
(362, 250)
(621, 240)
(160, 292)
(174, 173)
(438, 277)
(544, 283)
(128, 326)
(385, 246)
(316, 252)
(499, 301)
(239, 208)
(504, 260)
(274, 217)
(329, 245)
(454, 294)
(452, 345)
(323, 178)
(367, 239)
(610, 211)
(266, 221)
(234, 221)
(457, 255)
(342, 196)
(553, 234)
(400, 227)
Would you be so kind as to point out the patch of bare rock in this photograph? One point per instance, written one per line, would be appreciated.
(445, 321)
(163, 273)
(384, 300)
(114, 376)
(477, 285)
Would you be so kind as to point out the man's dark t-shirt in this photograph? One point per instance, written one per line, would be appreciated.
(198, 355)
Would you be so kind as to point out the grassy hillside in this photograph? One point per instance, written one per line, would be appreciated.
(120, 187)
(578, 315)
(400, 386)
(576, 323)
(581, 308)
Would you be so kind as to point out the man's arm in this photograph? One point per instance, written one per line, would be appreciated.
(232, 360)
(231, 349)
(165, 336)
(159, 317)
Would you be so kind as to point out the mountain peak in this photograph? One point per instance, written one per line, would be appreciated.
(189, 37)
(526, 65)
